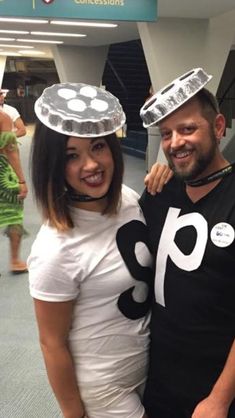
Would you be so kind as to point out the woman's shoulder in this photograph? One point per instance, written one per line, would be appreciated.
(50, 241)
(130, 202)
(129, 194)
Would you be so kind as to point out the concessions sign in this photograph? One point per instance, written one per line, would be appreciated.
(129, 10)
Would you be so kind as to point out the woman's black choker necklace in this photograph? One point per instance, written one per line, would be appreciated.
(83, 197)
(212, 177)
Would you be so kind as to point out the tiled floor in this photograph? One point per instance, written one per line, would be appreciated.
(24, 390)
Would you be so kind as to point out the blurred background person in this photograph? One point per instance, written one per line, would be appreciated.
(18, 124)
(13, 190)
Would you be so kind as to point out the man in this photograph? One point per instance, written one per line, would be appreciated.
(19, 127)
(191, 224)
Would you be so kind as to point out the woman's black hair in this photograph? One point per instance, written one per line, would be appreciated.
(48, 160)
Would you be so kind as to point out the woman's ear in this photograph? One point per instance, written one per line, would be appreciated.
(219, 126)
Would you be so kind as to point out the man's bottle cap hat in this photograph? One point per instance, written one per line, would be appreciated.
(81, 110)
(172, 96)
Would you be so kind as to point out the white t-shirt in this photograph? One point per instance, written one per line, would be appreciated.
(11, 111)
(85, 264)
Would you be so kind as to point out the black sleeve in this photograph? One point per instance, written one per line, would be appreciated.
(143, 198)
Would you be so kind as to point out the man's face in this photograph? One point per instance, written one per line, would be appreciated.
(189, 142)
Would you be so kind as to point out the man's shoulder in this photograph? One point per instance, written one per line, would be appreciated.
(171, 189)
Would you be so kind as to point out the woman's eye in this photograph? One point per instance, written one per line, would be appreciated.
(71, 156)
(99, 146)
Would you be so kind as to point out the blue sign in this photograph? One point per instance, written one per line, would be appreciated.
(129, 10)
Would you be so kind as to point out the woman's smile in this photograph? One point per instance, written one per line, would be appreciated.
(94, 180)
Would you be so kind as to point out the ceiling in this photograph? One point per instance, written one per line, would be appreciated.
(125, 31)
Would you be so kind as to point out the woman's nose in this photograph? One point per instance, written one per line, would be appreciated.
(89, 163)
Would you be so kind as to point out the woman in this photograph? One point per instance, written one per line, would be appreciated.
(13, 191)
(90, 268)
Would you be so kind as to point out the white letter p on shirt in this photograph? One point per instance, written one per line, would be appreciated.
(167, 247)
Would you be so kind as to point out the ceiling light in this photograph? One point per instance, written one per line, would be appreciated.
(10, 53)
(12, 19)
(22, 32)
(30, 51)
(40, 41)
(7, 39)
(77, 35)
(92, 24)
(16, 46)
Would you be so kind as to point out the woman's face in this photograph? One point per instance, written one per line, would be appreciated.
(89, 169)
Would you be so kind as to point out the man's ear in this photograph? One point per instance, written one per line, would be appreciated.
(219, 126)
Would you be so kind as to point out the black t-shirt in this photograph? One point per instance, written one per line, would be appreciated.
(193, 314)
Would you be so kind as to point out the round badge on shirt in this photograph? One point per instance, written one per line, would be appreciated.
(222, 234)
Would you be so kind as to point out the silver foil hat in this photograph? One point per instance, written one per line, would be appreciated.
(172, 96)
(78, 109)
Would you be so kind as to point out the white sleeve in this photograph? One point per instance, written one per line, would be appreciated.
(131, 193)
(15, 115)
(12, 112)
(53, 271)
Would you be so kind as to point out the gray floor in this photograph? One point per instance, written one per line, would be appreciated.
(24, 390)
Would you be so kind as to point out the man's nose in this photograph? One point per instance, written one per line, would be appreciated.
(177, 140)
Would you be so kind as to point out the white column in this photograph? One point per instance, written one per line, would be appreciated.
(220, 37)
(80, 64)
(154, 150)
(172, 46)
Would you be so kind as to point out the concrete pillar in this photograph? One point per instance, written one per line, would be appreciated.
(154, 151)
(172, 46)
(80, 64)
(2, 67)
(218, 42)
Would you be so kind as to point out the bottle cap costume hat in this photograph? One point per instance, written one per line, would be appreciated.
(81, 110)
(172, 96)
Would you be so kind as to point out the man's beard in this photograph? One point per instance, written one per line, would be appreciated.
(200, 165)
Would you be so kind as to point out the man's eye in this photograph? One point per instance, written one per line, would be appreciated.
(188, 129)
(165, 135)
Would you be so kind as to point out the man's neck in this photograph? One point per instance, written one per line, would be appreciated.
(198, 192)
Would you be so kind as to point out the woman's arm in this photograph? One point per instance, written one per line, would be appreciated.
(12, 153)
(19, 127)
(54, 321)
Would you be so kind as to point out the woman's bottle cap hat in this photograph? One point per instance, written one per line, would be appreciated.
(78, 109)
